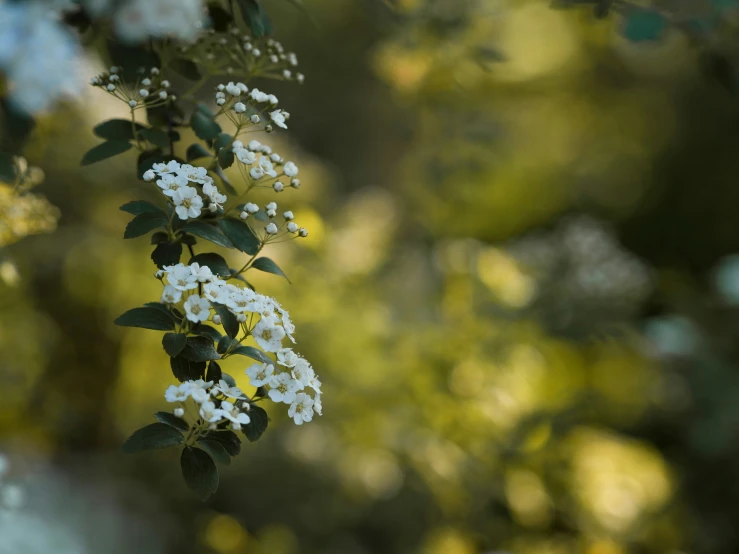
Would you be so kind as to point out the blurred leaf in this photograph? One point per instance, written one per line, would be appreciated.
(156, 435)
(104, 151)
(214, 372)
(157, 137)
(195, 151)
(266, 264)
(138, 207)
(199, 472)
(224, 180)
(167, 253)
(173, 421)
(117, 129)
(186, 370)
(240, 235)
(129, 58)
(199, 349)
(204, 127)
(641, 25)
(187, 68)
(228, 319)
(143, 223)
(221, 20)
(228, 439)
(205, 110)
(223, 149)
(257, 425)
(146, 317)
(254, 354)
(7, 167)
(215, 450)
(255, 17)
(718, 66)
(208, 232)
(215, 262)
(174, 343)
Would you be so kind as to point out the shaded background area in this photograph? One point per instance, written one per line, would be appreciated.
(515, 291)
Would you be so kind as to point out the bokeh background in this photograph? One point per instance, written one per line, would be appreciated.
(518, 291)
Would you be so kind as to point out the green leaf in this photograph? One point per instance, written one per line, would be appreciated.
(214, 372)
(157, 137)
(203, 126)
(228, 319)
(173, 421)
(146, 317)
(225, 158)
(143, 223)
(195, 151)
(199, 472)
(207, 331)
(255, 17)
(221, 141)
(228, 439)
(159, 237)
(257, 425)
(266, 264)
(216, 450)
(117, 129)
(223, 344)
(156, 435)
(240, 235)
(254, 354)
(138, 207)
(174, 343)
(162, 308)
(215, 262)
(187, 68)
(104, 151)
(199, 349)
(186, 370)
(208, 232)
(644, 25)
(205, 110)
(222, 146)
(166, 253)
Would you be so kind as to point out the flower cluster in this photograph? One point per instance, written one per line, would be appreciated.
(215, 403)
(259, 166)
(174, 181)
(246, 107)
(225, 53)
(273, 231)
(149, 90)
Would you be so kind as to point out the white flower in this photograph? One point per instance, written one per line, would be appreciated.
(180, 277)
(136, 20)
(197, 309)
(228, 390)
(258, 96)
(301, 410)
(260, 374)
(146, 82)
(245, 156)
(317, 406)
(242, 87)
(287, 324)
(295, 183)
(176, 393)
(251, 208)
(209, 412)
(272, 99)
(233, 89)
(254, 119)
(303, 373)
(170, 295)
(282, 388)
(290, 169)
(203, 274)
(292, 227)
(237, 144)
(195, 174)
(188, 202)
(268, 334)
(170, 167)
(215, 292)
(254, 146)
(256, 173)
(266, 165)
(278, 118)
(233, 414)
(287, 357)
(170, 183)
(199, 395)
(271, 229)
(216, 198)
(163, 95)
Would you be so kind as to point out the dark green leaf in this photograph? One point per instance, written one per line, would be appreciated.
(221, 141)
(186, 370)
(174, 343)
(222, 146)
(146, 317)
(162, 308)
(143, 223)
(167, 253)
(240, 235)
(216, 450)
(266, 264)
(220, 19)
(203, 126)
(117, 129)
(214, 372)
(254, 354)
(205, 110)
(173, 421)
(215, 262)
(138, 207)
(157, 137)
(199, 349)
(187, 68)
(104, 151)
(199, 472)
(228, 319)
(208, 232)
(156, 435)
(223, 344)
(257, 425)
(228, 439)
(159, 237)
(195, 151)
(255, 17)
(130, 57)
(225, 158)
(207, 331)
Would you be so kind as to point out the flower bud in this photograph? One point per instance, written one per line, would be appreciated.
(221, 101)
(288, 215)
(278, 187)
(110, 88)
(254, 119)
(163, 95)
(243, 216)
(241, 318)
(271, 229)
(295, 183)
(268, 128)
(143, 93)
(212, 208)
(292, 227)
(303, 232)
(154, 71)
(213, 427)
(149, 175)
(165, 84)
(239, 107)
(113, 69)
(159, 274)
(179, 412)
(132, 103)
(217, 319)
(146, 82)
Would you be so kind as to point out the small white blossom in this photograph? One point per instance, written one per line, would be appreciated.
(278, 118)
(180, 277)
(290, 169)
(143, 93)
(301, 410)
(216, 198)
(170, 183)
(256, 173)
(209, 412)
(282, 388)
(228, 390)
(163, 95)
(260, 374)
(303, 232)
(187, 202)
(197, 309)
(254, 119)
(176, 393)
(268, 334)
(149, 175)
(278, 187)
(287, 357)
(171, 295)
(271, 229)
(132, 103)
